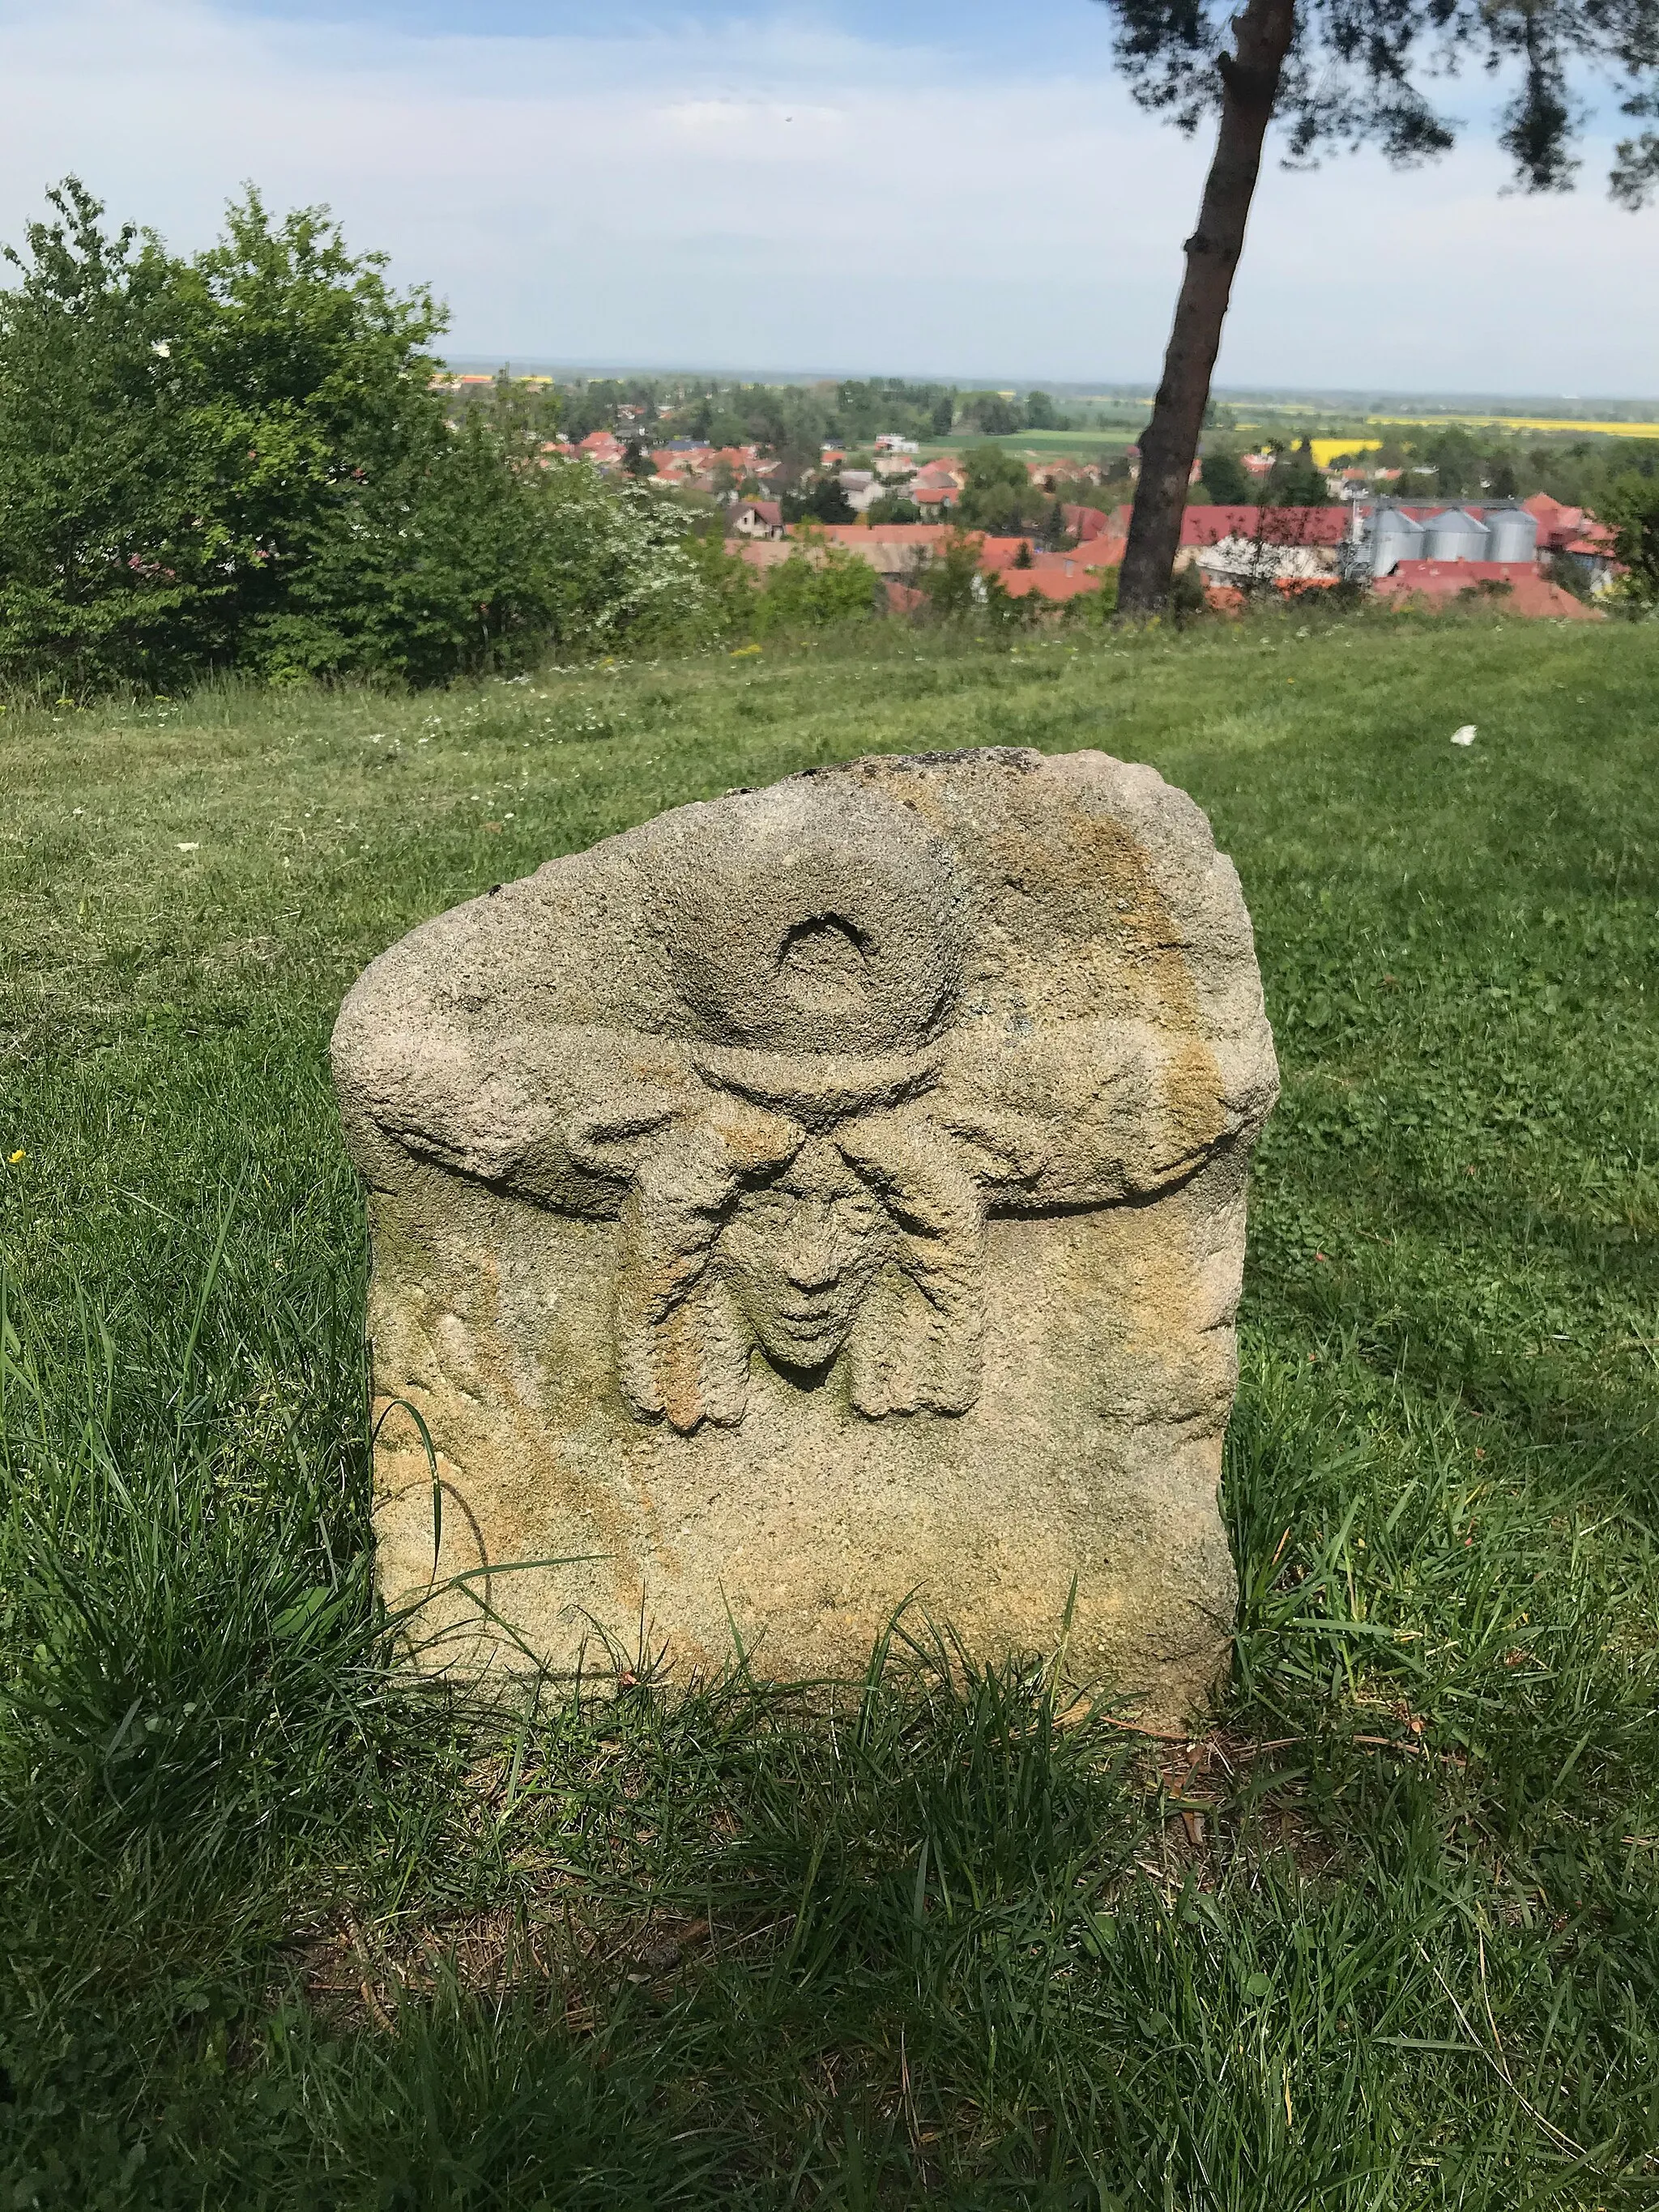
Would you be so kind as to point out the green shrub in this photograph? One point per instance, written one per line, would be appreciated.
(957, 589)
(240, 461)
(818, 584)
(1095, 610)
(729, 586)
(1630, 507)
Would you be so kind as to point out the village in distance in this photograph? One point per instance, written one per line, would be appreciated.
(1425, 504)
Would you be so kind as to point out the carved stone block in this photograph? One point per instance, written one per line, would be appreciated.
(826, 1197)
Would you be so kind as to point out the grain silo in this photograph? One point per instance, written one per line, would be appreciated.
(1394, 537)
(1511, 534)
(1455, 534)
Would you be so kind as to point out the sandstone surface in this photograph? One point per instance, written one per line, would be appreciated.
(820, 1199)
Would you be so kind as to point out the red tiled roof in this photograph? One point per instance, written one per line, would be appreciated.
(859, 534)
(1528, 593)
(1275, 525)
(763, 553)
(1085, 522)
(887, 546)
(896, 545)
(1557, 522)
(1049, 583)
(1002, 552)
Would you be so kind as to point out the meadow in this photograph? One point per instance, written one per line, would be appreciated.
(281, 1931)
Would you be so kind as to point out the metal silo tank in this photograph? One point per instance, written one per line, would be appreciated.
(1511, 534)
(1394, 537)
(1455, 534)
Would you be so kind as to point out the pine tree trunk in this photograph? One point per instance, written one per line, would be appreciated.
(1249, 87)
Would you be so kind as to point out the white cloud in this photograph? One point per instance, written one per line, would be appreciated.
(772, 198)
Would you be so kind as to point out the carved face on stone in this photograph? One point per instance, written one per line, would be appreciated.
(799, 1254)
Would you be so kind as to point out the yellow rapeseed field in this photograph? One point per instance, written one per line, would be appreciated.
(1325, 450)
(1518, 422)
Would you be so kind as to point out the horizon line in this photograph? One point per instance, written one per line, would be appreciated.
(1125, 388)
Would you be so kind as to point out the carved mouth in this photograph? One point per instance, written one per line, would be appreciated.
(806, 1324)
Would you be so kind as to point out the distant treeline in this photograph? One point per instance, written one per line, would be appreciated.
(795, 421)
(1457, 463)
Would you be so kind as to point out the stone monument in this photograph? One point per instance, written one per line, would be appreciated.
(820, 1199)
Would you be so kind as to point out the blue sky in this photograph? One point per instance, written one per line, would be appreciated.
(955, 189)
(985, 29)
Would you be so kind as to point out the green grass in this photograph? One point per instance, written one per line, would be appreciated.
(278, 1932)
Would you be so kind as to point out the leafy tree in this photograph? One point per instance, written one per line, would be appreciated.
(241, 460)
(894, 506)
(864, 408)
(1225, 481)
(824, 500)
(1458, 464)
(102, 565)
(1630, 508)
(996, 492)
(1077, 491)
(1342, 73)
(991, 414)
(953, 582)
(943, 415)
(1041, 413)
(181, 439)
(1296, 479)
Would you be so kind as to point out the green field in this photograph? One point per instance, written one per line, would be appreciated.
(280, 1932)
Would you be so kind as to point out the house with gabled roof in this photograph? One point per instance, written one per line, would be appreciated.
(757, 518)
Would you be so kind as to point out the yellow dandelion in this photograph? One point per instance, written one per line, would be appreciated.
(18, 1157)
